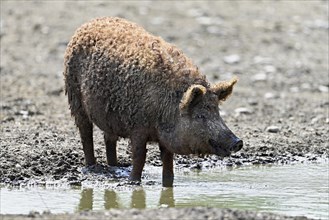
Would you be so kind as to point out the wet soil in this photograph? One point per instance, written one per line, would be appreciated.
(159, 214)
(278, 50)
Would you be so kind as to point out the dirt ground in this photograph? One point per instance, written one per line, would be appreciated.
(278, 50)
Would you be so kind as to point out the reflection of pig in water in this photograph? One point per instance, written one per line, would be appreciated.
(135, 85)
(112, 199)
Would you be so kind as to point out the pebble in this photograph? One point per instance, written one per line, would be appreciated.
(306, 86)
(23, 112)
(321, 24)
(316, 119)
(222, 112)
(195, 12)
(232, 59)
(262, 60)
(196, 166)
(252, 102)
(7, 119)
(323, 89)
(214, 30)
(270, 95)
(205, 20)
(294, 89)
(243, 110)
(158, 20)
(259, 77)
(269, 69)
(273, 129)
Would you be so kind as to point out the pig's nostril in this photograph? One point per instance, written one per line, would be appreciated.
(238, 145)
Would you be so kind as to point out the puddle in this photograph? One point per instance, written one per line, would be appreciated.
(300, 189)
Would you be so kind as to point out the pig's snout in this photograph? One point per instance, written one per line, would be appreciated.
(226, 151)
(237, 145)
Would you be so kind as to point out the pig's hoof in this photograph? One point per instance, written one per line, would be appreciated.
(167, 183)
(129, 183)
(134, 182)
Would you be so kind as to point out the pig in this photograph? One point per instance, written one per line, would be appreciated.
(132, 84)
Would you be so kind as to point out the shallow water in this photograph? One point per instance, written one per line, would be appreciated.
(300, 189)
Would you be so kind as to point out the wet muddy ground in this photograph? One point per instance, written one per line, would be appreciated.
(297, 189)
(278, 49)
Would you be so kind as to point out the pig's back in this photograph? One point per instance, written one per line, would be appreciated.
(124, 73)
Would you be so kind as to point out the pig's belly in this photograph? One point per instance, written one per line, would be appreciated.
(100, 113)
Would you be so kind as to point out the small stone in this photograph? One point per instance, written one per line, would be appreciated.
(158, 20)
(316, 119)
(222, 113)
(270, 95)
(243, 110)
(214, 30)
(252, 102)
(259, 77)
(23, 112)
(7, 119)
(33, 214)
(232, 59)
(261, 60)
(294, 89)
(306, 86)
(273, 129)
(323, 89)
(197, 166)
(321, 24)
(45, 30)
(195, 12)
(72, 178)
(205, 20)
(269, 69)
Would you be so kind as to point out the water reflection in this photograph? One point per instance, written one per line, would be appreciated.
(138, 199)
(86, 200)
(110, 199)
(167, 197)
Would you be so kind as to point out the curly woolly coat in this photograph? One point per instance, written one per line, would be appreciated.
(138, 76)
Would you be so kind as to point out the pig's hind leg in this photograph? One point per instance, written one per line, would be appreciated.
(86, 134)
(111, 151)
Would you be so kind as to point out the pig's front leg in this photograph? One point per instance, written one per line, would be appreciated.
(138, 156)
(167, 167)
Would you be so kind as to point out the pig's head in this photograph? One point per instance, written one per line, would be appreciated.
(200, 128)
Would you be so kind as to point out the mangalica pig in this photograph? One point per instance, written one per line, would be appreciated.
(134, 85)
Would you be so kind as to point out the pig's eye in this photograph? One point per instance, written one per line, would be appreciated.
(201, 117)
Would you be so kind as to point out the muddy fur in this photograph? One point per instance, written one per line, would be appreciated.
(143, 70)
(133, 84)
(100, 49)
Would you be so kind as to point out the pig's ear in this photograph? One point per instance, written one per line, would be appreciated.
(224, 89)
(192, 96)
